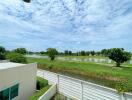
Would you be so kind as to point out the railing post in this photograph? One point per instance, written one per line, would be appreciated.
(82, 90)
(43, 74)
(58, 83)
(122, 96)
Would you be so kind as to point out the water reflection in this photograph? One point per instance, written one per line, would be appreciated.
(97, 60)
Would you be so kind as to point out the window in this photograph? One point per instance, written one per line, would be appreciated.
(14, 91)
(9, 93)
(4, 95)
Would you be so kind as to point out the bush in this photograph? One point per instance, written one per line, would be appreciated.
(42, 86)
(36, 95)
(2, 53)
(121, 87)
(2, 56)
(41, 83)
(16, 57)
(20, 50)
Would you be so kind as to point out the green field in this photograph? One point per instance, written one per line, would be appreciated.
(104, 74)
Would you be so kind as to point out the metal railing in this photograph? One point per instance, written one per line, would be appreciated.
(82, 90)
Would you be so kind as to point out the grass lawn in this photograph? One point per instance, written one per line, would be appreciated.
(104, 74)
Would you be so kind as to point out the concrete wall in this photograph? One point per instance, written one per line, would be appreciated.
(24, 75)
(49, 93)
(82, 90)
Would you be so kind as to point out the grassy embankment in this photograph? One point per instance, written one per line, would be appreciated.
(107, 75)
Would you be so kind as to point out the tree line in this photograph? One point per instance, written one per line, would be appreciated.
(71, 53)
(16, 55)
(119, 55)
(103, 52)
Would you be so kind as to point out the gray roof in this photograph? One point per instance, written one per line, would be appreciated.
(6, 65)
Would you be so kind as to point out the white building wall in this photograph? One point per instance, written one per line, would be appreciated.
(24, 75)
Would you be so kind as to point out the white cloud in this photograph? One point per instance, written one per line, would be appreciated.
(85, 24)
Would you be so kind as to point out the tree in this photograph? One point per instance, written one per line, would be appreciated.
(43, 52)
(119, 55)
(83, 53)
(30, 52)
(87, 53)
(77, 53)
(105, 52)
(52, 52)
(20, 50)
(66, 52)
(70, 53)
(16, 57)
(2, 53)
(98, 53)
(92, 53)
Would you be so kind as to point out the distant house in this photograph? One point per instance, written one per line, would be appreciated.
(17, 81)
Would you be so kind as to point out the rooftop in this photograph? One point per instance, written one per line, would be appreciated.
(6, 65)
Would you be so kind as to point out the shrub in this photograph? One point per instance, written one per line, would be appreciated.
(36, 95)
(42, 86)
(41, 83)
(20, 50)
(2, 56)
(50, 67)
(121, 87)
(16, 57)
(2, 53)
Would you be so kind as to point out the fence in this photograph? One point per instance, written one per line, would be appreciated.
(82, 90)
(49, 94)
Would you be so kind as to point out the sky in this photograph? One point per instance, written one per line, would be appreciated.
(66, 24)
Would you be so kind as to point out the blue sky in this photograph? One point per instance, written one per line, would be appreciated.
(66, 24)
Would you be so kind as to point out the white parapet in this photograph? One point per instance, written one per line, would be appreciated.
(49, 93)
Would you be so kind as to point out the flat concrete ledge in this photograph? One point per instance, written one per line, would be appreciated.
(49, 93)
